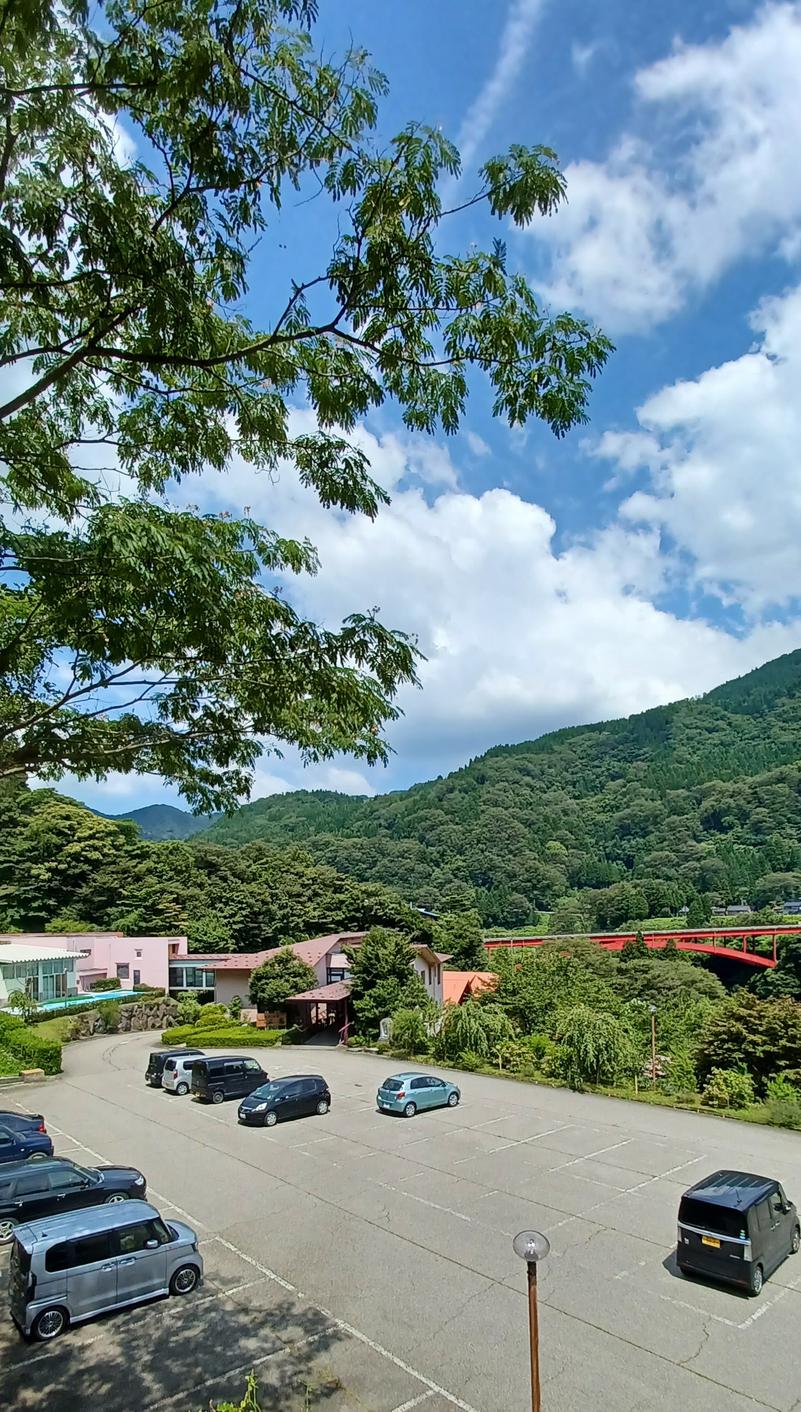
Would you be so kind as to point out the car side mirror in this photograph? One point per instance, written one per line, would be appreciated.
(151, 1245)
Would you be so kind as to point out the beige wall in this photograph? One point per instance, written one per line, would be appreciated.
(231, 983)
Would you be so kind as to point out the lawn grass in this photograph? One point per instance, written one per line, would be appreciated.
(57, 1028)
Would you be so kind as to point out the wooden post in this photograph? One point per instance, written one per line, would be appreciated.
(534, 1336)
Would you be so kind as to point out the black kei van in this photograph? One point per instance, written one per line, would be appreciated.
(736, 1227)
(219, 1076)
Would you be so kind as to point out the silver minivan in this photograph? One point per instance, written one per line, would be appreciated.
(69, 1268)
(177, 1073)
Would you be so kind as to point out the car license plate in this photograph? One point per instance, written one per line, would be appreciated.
(710, 1240)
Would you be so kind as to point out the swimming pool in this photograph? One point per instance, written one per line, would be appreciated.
(95, 995)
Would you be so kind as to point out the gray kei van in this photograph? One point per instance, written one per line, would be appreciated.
(69, 1268)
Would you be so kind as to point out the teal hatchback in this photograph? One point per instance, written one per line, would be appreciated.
(411, 1093)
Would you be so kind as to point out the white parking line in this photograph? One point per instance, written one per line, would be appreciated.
(415, 1402)
(587, 1155)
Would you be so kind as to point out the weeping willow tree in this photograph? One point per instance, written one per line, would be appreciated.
(597, 1047)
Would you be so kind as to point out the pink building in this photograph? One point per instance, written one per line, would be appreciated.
(133, 960)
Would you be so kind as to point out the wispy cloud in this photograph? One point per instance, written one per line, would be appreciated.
(515, 42)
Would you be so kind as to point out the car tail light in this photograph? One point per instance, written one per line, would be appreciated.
(401, 1094)
(42, 1128)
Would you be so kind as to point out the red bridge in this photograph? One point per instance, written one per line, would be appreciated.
(733, 942)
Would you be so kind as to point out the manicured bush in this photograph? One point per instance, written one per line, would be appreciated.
(235, 1008)
(107, 983)
(212, 1017)
(294, 1035)
(470, 1061)
(236, 1038)
(728, 1088)
(9, 1022)
(223, 1037)
(32, 1051)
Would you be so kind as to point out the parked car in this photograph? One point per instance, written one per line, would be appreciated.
(737, 1228)
(220, 1076)
(177, 1073)
(70, 1268)
(157, 1060)
(25, 1142)
(21, 1121)
(296, 1096)
(410, 1093)
(53, 1185)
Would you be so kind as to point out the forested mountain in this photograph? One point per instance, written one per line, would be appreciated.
(699, 796)
(161, 821)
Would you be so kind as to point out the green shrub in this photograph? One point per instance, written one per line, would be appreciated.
(109, 1013)
(410, 1032)
(470, 1061)
(525, 1055)
(246, 1037)
(782, 1089)
(679, 1077)
(294, 1035)
(728, 1088)
(211, 1017)
(108, 983)
(780, 1113)
(9, 1022)
(32, 1051)
(188, 1008)
(235, 1008)
(9, 1064)
(177, 1034)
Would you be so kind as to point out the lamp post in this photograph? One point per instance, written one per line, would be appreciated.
(533, 1246)
(652, 1009)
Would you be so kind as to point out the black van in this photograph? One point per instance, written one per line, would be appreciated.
(158, 1058)
(736, 1227)
(226, 1076)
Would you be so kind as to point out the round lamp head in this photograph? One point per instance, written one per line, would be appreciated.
(531, 1246)
(652, 1009)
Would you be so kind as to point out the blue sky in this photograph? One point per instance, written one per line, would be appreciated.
(654, 552)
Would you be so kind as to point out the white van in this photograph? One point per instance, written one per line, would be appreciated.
(177, 1074)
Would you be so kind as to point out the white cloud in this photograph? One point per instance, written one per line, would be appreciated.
(715, 179)
(477, 444)
(519, 637)
(582, 56)
(516, 36)
(723, 453)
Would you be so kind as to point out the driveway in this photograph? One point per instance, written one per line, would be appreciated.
(364, 1262)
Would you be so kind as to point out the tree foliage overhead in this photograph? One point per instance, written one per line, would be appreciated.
(134, 634)
(281, 976)
(606, 824)
(382, 978)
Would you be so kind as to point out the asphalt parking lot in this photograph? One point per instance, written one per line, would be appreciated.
(365, 1262)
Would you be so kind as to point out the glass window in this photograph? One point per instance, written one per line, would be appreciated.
(419, 1083)
(58, 1257)
(776, 1205)
(89, 1250)
(134, 1238)
(137, 980)
(27, 1186)
(138, 951)
(251, 1064)
(177, 977)
(123, 971)
(66, 1180)
(236, 1066)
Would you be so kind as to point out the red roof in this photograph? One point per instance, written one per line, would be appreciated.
(337, 990)
(311, 952)
(460, 985)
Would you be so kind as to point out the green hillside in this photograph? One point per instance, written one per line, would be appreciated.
(699, 796)
(161, 821)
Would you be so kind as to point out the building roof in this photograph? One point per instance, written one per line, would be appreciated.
(337, 990)
(458, 985)
(14, 954)
(312, 952)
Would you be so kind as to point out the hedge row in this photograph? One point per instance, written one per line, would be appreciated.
(148, 997)
(25, 1045)
(236, 1036)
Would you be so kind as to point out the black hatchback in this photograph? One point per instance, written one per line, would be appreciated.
(736, 1227)
(297, 1096)
(52, 1186)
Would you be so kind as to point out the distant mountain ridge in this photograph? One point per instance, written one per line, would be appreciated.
(158, 822)
(703, 794)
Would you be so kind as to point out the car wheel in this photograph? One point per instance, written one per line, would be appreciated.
(49, 1324)
(795, 1244)
(270, 1120)
(184, 1280)
(115, 1197)
(757, 1280)
(7, 1227)
(182, 1089)
(453, 1099)
(410, 1110)
(323, 1106)
(217, 1096)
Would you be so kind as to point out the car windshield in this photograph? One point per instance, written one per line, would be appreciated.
(86, 1174)
(268, 1090)
(392, 1084)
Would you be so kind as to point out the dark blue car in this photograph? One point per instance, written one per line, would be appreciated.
(18, 1121)
(15, 1146)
